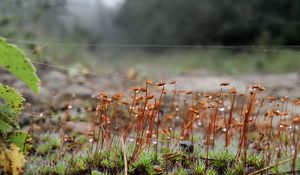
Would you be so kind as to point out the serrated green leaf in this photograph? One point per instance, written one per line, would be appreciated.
(10, 107)
(10, 102)
(19, 139)
(16, 62)
(5, 127)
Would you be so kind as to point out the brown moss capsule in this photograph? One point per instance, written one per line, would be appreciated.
(139, 98)
(188, 92)
(194, 111)
(295, 101)
(90, 133)
(29, 141)
(225, 95)
(125, 102)
(173, 82)
(270, 113)
(149, 97)
(206, 95)
(118, 96)
(261, 88)
(232, 90)
(252, 92)
(135, 89)
(161, 83)
(35, 127)
(102, 95)
(181, 91)
(158, 169)
(169, 117)
(285, 124)
(296, 120)
(255, 86)
(265, 125)
(285, 98)
(272, 98)
(202, 103)
(143, 89)
(166, 131)
(267, 113)
(149, 82)
(218, 102)
(276, 112)
(68, 139)
(151, 106)
(239, 124)
(224, 84)
(251, 119)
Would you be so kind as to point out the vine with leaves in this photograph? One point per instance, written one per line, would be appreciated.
(14, 143)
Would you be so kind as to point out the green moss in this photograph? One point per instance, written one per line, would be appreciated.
(144, 164)
(95, 172)
(47, 169)
(60, 168)
(49, 143)
(181, 171)
(44, 148)
(199, 168)
(78, 165)
(211, 172)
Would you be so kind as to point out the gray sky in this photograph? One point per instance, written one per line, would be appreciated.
(94, 16)
(112, 3)
(109, 3)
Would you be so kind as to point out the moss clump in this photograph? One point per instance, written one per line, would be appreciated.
(48, 145)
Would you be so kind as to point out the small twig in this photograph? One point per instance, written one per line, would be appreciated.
(286, 172)
(124, 154)
(272, 166)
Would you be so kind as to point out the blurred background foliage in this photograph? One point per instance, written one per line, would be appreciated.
(273, 24)
(230, 22)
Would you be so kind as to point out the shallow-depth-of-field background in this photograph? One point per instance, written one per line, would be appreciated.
(162, 77)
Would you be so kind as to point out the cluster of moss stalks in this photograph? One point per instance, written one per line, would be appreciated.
(52, 155)
(169, 144)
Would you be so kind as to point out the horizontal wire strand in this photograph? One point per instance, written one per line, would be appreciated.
(264, 48)
(105, 75)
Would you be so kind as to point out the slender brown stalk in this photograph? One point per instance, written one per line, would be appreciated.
(230, 119)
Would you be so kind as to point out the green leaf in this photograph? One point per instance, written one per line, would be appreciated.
(10, 107)
(10, 101)
(5, 127)
(16, 62)
(19, 139)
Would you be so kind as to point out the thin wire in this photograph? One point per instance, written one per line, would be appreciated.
(107, 75)
(264, 48)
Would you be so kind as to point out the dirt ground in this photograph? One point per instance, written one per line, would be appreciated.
(57, 85)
